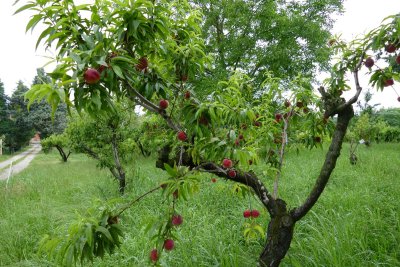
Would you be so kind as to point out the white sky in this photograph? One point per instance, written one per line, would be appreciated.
(19, 60)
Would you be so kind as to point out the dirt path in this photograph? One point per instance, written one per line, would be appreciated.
(27, 156)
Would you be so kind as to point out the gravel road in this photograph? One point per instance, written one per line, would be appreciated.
(27, 156)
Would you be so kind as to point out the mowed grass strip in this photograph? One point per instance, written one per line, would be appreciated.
(355, 223)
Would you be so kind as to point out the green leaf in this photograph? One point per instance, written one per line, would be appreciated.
(56, 35)
(27, 6)
(258, 228)
(89, 40)
(173, 172)
(42, 35)
(118, 71)
(124, 59)
(105, 232)
(82, 7)
(89, 235)
(33, 22)
(96, 100)
(70, 255)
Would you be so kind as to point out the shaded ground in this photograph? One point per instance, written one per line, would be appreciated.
(26, 156)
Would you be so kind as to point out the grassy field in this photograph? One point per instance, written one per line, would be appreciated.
(4, 157)
(355, 223)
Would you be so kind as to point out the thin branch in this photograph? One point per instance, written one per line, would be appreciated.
(94, 155)
(147, 104)
(281, 154)
(137, 200)
(357, 83)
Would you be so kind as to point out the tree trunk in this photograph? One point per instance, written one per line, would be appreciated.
(62, 153)
(145, 152)
(121, 173)
(279, 236)
(122, 183)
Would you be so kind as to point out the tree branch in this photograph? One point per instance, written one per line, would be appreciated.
(137, 200)
(281, 154)
(147, 104)
(246, 178)
(357, 83)
(94, 155)
(329, 164)
(144, 101)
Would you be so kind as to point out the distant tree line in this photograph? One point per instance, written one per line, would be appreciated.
(373, 125)
(18, 124)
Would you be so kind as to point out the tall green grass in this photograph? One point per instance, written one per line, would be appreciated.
(355, 223)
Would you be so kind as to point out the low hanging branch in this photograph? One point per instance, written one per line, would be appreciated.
(246, 178)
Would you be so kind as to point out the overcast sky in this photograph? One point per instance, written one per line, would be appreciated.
(19, 59)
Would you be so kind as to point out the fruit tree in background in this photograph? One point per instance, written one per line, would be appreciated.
(147, 52)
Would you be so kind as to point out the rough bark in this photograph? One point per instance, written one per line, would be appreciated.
(331, 157)
(279, 236)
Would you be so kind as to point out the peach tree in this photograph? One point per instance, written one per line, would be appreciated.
(147, 52)
(107, 138)
(60, 142)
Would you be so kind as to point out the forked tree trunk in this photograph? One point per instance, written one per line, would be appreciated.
(63, 155)
(279, 236)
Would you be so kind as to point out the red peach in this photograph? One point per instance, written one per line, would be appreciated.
(177, 220)
(142, 64)
(91, 76)
(278, 117)
(187, 94)
(163, 104)
(154, 255)
(255, 213)
(299, 104)
(227, 163)
(169, 244)
(369, 62)
(182, 136)
(398, 59)
(390, 48)
(232, 173)
(246, 213)
(388, 82)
